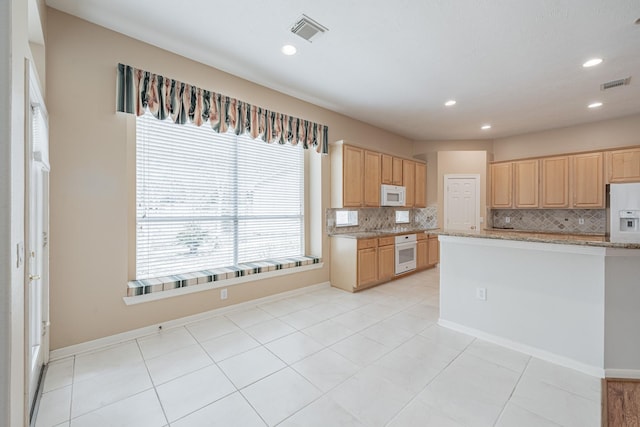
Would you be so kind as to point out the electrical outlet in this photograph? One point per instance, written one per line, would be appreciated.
(223, 293)
(581, 221)
(481, 294)
(507, 219)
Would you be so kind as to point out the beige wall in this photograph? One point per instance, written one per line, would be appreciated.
(91, 182)
(461, 162)
(619, 132)
(428, 151)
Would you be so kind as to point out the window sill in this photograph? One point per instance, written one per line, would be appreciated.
(140, 291)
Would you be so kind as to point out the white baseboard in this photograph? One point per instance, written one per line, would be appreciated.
(111, 340)
(594, 371)
(632, 374)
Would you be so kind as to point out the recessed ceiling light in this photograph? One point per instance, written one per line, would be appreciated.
(289, 50)
(450, 103)
(592, 62)
(485, 127)
(595, 105)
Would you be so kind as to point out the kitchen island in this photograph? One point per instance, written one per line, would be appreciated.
(573, 300)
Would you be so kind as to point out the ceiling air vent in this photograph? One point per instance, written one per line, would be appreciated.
(615, 83)
(308, 29)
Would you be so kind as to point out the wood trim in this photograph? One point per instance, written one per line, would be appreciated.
(605, 404)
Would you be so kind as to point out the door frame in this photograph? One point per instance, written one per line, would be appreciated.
(451, 176)
(33, 381)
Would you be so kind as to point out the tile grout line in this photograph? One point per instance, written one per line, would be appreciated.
(515, 386)
(153, 384)
(431, 381)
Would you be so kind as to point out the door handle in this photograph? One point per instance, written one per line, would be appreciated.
(473, 227)
(33, 277)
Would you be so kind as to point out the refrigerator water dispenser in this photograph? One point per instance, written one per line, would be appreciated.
(630, 221)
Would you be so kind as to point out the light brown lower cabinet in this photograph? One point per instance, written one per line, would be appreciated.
(367, 267)
(434, 250)
(386, 259)
(422, 260)
(357, 264)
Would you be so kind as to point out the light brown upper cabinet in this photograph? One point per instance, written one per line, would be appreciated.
(501, 185)
(353, 176)
(372, 178)
(409, 181)
(525, 181)
(391, 170)
(421, 186)
(555, 182)
(587, 180)
(397, 171)
(624, 165)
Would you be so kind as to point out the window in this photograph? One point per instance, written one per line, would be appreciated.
(402, 217)
(346, 218)
(206, 200)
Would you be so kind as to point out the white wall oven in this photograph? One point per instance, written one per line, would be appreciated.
(406, 253)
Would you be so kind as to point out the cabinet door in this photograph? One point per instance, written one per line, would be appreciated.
(386, 176)
(434, 250)
(422, 260)
(501, 185)
(525, 174)
(624, 165)
(353, 175)
(367, 266)
(397, 171)
(409, 181)
(372, 179)
(421, 186)
(386, 263)
(555, 182)
(588, 181)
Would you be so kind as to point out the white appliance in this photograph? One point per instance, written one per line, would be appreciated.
(392, 195)
(623, 212)
(406, 253)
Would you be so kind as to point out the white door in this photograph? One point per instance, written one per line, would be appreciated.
(462, 205)
(37, 251)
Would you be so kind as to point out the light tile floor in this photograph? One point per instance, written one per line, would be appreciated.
(323, 358)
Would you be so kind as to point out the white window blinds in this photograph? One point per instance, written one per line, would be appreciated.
(208, 200)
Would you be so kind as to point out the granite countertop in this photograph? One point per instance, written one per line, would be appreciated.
(381, 233)
(530, 236)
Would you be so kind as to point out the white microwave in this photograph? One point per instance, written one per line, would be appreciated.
(392, 195)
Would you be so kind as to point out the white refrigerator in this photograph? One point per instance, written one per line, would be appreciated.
(623, 212)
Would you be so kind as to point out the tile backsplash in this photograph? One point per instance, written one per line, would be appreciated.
(384, 219)
(551, 220)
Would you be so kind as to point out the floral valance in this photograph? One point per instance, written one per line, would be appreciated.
(139, 91)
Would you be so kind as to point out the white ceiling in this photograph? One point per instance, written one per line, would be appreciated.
(516, 64)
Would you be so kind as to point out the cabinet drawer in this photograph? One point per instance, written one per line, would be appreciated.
(386, 241)
(421, 236)
(367, 243)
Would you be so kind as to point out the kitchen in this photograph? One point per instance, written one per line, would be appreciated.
(567, 278)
